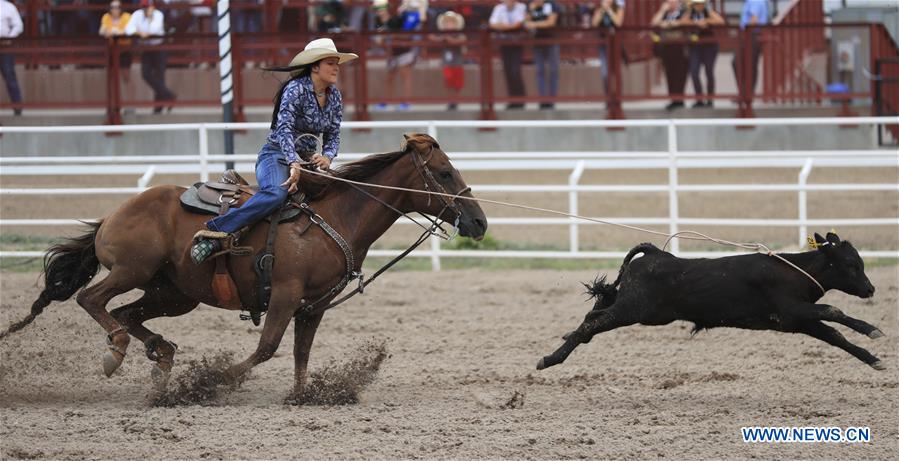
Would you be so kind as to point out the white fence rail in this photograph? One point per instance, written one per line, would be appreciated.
(672, 160)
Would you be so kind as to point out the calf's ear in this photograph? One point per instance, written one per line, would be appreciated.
(819, 240)
(833, 238)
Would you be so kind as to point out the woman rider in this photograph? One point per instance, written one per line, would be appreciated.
(307, 103)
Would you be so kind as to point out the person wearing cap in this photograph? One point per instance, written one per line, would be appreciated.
(453, 72)
(703, 50)
(145, 23)
(308, 103)
(402, 54)
(112, 25)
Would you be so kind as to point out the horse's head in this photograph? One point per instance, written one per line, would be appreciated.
(439, 175)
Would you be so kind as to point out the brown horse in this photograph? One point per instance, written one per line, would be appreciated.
(145, 245)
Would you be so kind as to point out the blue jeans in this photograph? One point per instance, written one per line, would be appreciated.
(547, 60)
(8, 70)
(271, 171)
(604, 67)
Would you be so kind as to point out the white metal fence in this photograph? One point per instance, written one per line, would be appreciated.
(673, 160)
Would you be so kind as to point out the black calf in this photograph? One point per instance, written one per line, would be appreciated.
(757, 292)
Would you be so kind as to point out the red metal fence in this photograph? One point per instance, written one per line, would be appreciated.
(633, 72)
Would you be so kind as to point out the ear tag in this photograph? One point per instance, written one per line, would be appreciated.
(812, 244)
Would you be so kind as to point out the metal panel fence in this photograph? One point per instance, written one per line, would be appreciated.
(672, 160)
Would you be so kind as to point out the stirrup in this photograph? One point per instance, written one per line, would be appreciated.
(209, 234)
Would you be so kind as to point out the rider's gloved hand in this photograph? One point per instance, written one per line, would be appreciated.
(294, 178)
(321, 161)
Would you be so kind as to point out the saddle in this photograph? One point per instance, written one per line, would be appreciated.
(231, 191)
(216, 198)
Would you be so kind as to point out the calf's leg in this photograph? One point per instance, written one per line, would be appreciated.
(597, 321)
(833, 314)
(833, 337)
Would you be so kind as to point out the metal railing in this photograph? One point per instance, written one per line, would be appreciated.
(632, 74)
(673, 160)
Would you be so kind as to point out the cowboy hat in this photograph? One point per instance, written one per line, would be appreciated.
(319, 49)
(444, 18)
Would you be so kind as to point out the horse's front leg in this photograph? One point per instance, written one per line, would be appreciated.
(280, 311)
(304, 329)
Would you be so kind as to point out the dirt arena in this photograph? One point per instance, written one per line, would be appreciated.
(459, 381)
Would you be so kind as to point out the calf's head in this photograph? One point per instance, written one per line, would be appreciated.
(845, 270)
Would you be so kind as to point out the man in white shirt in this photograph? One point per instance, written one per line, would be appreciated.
(147, 22)
(508, 17)
(10, 27)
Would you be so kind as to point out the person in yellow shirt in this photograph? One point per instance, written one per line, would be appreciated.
(113, 25)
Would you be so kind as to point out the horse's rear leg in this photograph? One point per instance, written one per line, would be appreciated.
(94, 300)
(163, 300)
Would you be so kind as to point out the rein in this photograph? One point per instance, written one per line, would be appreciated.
(435, 230)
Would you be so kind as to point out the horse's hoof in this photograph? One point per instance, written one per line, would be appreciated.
(111, 362)
(160, 378)
(541, 364)
(878, 365)
(875, 334)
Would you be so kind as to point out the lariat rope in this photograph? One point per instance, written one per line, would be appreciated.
(684, 235)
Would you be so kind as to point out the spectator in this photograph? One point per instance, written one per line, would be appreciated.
(508, 17)
(248, 20)
(113, 25)
(145, 23)
(65, 22)
(542, 18)
(329, 16)
(453, 72)
(402, 57)
(415, 10)
(703, 50)
(607, 18)
(10, 27)
(754, 13)
(670, 46)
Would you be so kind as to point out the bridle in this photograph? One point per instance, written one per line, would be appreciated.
(429, 182)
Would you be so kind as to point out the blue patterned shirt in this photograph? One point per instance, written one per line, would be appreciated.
(300, 113)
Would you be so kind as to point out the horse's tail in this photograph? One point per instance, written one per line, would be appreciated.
(68, 267)
(606, 293)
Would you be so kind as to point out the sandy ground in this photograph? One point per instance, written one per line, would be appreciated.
(461, 344)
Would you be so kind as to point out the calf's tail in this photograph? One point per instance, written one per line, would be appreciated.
(606, 293)
(68, 267)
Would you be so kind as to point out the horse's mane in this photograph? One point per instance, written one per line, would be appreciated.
(316, 186)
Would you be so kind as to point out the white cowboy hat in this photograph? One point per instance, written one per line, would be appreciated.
(445, 17)
(319, 49)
